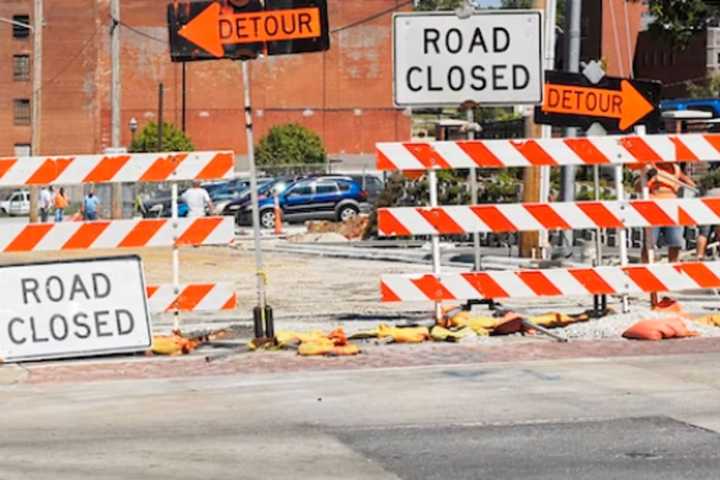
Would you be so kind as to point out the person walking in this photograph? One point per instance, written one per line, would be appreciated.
(60, 203)
(665, 181)
(198, 200)
(45, 203)
(90, 206)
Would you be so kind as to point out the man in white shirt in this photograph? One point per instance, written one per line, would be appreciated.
(198, 200)
(44, 203)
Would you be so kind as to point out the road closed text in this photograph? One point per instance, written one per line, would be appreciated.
(438, 78)
(443, 60)
(82, 325)
(73, 308)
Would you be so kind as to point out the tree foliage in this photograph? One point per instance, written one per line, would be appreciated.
(708, 88)
(174, 140)
(681, 19)
(290, 144)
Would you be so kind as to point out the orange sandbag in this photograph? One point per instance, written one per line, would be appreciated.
(658, 329)
(338, 337)
(669, 305)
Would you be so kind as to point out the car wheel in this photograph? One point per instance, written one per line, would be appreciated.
(347, 212)
(267, 218)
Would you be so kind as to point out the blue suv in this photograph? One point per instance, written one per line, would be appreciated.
(312, 199)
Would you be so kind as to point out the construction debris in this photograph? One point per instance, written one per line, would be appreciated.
(351, 229)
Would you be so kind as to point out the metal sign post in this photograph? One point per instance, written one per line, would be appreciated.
(261, 313)
(242, 30)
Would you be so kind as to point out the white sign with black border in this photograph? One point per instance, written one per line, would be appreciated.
(493, 58)
(75, 308)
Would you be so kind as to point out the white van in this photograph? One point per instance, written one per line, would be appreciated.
(16, 204)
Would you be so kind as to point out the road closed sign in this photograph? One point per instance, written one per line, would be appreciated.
(73, 309)
(492, 58)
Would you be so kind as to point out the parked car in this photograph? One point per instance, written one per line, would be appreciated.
(236, 207)
(17, 203)
(311, 199)
(372, 184)
(229, 204)
(160, 206)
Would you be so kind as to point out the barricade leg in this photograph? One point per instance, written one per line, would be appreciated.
(432, 178)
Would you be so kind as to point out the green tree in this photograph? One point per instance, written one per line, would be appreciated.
(426, 5)
(681, 19)
(174, 140)
(290, 144)
(516, 3)
(710, 87)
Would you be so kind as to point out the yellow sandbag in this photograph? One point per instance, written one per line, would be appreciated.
(551, 320)
(285, 338)
(709, 320)
(173, 345)
(321, 346)
(405, 334)
(480, 325)
(442, 334)
(345, 350)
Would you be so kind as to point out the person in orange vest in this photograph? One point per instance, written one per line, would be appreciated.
(666, 180)
(61, 203)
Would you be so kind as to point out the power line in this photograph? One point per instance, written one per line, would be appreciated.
(141, 33)
(69, 63)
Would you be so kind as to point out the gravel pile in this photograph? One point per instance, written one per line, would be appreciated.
(613, 326)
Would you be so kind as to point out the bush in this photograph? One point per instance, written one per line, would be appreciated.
(290, 144)
(174, 140)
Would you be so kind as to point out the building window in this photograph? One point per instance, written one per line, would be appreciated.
(21, 111)
(18, 30)
(21, 67)
(23, 149)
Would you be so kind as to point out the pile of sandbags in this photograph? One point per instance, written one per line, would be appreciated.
(315, 343)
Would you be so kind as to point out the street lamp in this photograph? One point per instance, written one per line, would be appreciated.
(133, 128)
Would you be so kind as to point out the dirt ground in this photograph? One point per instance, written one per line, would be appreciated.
(298, 285)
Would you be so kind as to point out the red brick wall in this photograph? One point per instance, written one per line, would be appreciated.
(344, 94)
(10, 89)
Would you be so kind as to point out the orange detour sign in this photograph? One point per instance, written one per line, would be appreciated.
(218, 26)
(617, 104)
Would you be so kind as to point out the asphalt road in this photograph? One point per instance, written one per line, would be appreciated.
(651, 417)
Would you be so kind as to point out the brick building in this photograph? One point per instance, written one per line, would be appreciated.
(345, 94)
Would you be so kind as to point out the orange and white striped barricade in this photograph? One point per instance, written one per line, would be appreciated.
(126, 168)
(570, 282)
(112, 234)
(195, 297)
(604, 150)
(500, 218)
(631, 150)
(135, 233)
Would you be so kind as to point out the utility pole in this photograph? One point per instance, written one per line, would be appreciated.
(37, 30)
(572, 64)
(117, 197)
(533, 176)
